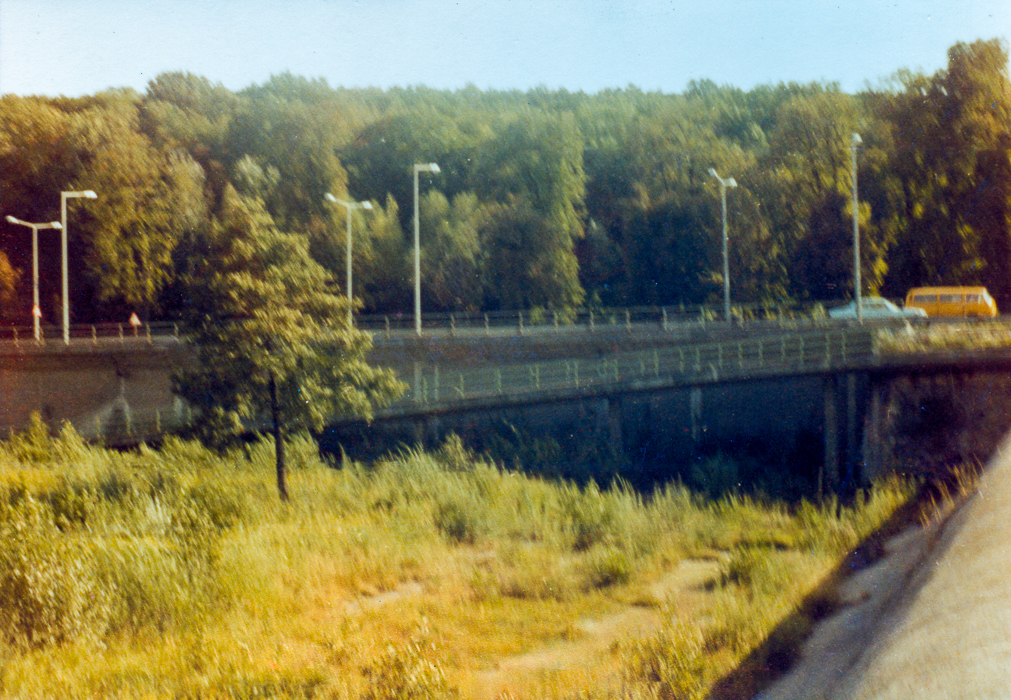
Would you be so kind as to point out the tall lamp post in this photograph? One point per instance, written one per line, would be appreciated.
(724, 184)
(855, 142)
(350, 206)
(64, 196)
(418, 168)
(36, 313)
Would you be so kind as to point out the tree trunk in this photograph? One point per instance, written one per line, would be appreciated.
(275, 415)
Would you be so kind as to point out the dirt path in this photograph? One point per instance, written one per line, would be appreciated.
(683, 587)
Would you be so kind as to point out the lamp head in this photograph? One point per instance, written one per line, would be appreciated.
(55, 224)
(731, 182)
(89, 194)
(366, 205)
(427, 167)
(329, 197)
(855, 140)
(12, 220)
(712, 171)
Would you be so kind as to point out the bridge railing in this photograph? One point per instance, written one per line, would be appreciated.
(627, 317)
(95, 332)
(432, 385)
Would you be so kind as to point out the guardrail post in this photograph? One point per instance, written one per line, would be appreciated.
(94, 335)
(386, 319)
(576, 372)
(656, 364)
(487, 327)
(663, 324)
(719, 354)
(761, 360)
(828, 349)
(436, 391)
(461, 388)
(628, 319)
(521, 322)
(801, 349)
(498, 380)
(147, 327)
(536, 371)
(740, 356)
(591, 320)
(452, 325)
(121, 332)
(157, 421)
(16, 342)
(175, 330)
(555, 315)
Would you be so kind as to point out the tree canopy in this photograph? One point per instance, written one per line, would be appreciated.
(273, 341)
(546, 198)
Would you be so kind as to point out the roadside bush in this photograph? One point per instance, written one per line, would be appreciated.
(49, 592)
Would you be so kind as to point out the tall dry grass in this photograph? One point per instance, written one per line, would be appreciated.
(177, 573)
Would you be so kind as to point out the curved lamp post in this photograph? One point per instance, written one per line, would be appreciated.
(350, 206)
(855, 142)
(724, 184)
(36, 312)
(64, 196)
(418, 168)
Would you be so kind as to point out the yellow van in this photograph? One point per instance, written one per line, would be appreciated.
(952, 301)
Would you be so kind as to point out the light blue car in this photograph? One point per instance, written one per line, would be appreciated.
(876, 307)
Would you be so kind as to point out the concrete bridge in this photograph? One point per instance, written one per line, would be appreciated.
(650, 388)
(653, 392)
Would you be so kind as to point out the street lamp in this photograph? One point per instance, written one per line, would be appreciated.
(36, 312)
(87, 194)
(724, 184)
(349, 206)
(418, 168)
(855, 142)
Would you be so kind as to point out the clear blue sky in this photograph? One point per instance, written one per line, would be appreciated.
(75, 47)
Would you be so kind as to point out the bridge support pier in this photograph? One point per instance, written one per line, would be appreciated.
(874, 449)
(828, 478)
(846, 406)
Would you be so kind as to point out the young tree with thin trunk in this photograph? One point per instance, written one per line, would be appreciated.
(273, 344)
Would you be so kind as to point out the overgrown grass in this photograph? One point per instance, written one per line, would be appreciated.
(177, 573)
(940, 337)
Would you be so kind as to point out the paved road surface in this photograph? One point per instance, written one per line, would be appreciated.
(931, 620)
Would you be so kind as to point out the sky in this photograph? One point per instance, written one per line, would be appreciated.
(73, 48)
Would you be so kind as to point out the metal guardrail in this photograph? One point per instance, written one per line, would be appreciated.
(92, 333)
(438, 387)
(795, 317)
(522, 321)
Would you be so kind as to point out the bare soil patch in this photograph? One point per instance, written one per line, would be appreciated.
(590, 653)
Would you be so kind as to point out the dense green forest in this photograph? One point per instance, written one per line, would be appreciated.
(546, 198)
